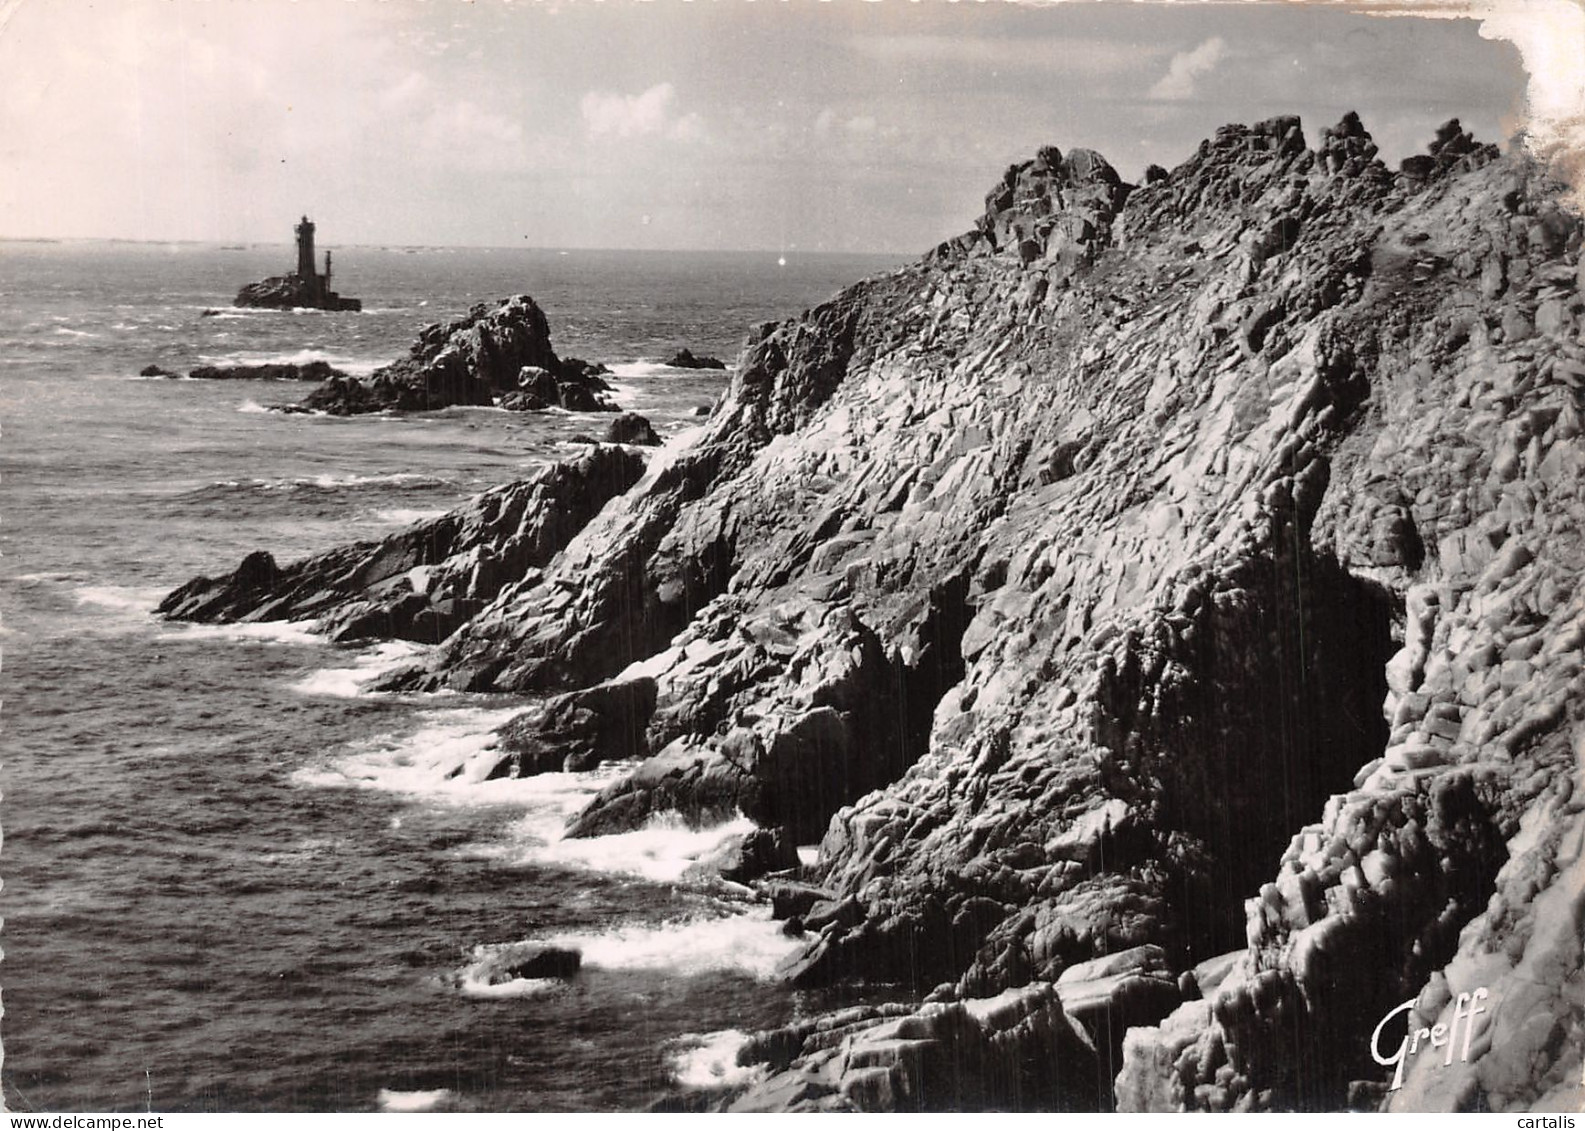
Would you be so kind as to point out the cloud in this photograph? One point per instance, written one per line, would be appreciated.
(1187, 68)
(650, 114)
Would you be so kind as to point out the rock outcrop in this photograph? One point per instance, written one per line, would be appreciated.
(1163, 603)
(685, 358)
(501, 352)
(425, 582)
(270, 371)
(289, 292)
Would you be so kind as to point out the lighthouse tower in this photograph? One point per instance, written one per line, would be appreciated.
(305, 259)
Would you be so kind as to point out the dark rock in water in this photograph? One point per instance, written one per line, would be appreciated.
(491, 352)
(287, 292)
(789, 897)
(309, 371)
(703, 409)
(528, 960)
(685, 359)
(759, 852)
(522, 402)
(424, 583)
(208, 312)
(631, 428)
(587, 371)
(156, 371)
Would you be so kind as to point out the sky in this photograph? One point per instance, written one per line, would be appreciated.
(787, 125)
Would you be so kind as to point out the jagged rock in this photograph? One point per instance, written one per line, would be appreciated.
(308, 371)
(631, 428)
(527, 960)
(685, 359)
(156, 371)
(489, 352)
(1017, 1051)
(754, 854)
(423, 583)
(1193, 567)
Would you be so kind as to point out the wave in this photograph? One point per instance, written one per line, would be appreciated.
(709, 1060)
(120, 598)
(251, 406)
(629, 369)
(357, 366)
(739, 942)
(407, 516)
(391, 1100)
(748, 942)
(447, 757)
(665, 850)
(450, 755)
(411, 480)
(253, 632)
(348, 683)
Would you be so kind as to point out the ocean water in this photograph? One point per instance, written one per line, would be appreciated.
(234, 881)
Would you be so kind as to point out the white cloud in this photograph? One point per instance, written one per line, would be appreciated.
(650, 114)
(1187, 68)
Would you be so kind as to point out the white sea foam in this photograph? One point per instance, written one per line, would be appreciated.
(663, 850)
(357, 366)
(326, 482)
(751, 942)
(348, 683)
(406, 516)
(447, 757)
(490, 960)
(392, 1100)
(709, 1060)
(251, 406)
(625, 395)
(260, 632)
(629, 369)
(122, 598)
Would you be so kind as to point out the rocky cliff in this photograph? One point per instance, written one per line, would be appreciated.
(1161, 602)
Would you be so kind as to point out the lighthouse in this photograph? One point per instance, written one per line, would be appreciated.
(304, 287)
(305, 260)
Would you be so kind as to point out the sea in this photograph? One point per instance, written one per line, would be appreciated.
(235, 879)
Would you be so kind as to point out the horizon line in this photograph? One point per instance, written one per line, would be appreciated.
(393, 246)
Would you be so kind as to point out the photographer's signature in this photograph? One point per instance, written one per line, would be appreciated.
(1465, 1010)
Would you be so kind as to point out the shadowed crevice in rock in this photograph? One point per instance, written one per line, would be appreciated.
(1275, 708)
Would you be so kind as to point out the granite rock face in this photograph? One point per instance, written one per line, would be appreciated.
(424, 582)
(491, 352)
(1162, 603)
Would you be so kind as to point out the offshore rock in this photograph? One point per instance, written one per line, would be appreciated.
(631, 428)
(686, 359)
(288, 292)
(307, 371)
(423, 583)
(472, 360)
